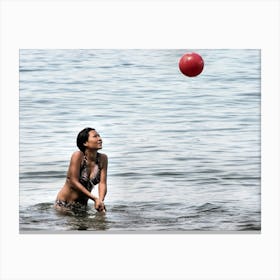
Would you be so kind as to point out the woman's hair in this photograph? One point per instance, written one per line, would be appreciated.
(83, 137)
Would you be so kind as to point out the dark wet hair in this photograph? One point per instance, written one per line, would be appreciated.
(83, 137)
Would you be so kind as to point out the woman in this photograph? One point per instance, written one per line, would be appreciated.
(86, 169)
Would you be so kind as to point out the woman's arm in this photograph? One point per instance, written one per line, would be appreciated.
(74, 173)
(102, 188)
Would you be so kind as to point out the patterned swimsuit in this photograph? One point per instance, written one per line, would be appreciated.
(84, 179)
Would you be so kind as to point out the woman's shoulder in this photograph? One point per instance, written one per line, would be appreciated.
(77, 155)
(103, 156)
(103, 162)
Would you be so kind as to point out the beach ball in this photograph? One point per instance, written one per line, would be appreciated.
(191, 64)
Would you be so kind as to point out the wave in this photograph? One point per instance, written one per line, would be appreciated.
(31, 70)
(209, 207)
(42, 174)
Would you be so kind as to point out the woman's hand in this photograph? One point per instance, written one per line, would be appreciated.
(99, 205)
(102, 207)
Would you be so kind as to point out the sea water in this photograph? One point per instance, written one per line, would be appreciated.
(184, 153)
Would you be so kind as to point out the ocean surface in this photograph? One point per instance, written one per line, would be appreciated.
(184, 153)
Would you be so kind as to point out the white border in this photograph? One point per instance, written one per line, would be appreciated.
(146, 24)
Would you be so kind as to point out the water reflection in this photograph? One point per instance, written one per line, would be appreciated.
(84, 219)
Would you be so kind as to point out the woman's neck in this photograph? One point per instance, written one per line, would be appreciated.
(91, 155)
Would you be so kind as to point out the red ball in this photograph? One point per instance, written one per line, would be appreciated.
(191, 64)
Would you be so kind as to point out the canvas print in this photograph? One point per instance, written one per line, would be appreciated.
(140, 140)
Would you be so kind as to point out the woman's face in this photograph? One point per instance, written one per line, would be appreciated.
(94, 141)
